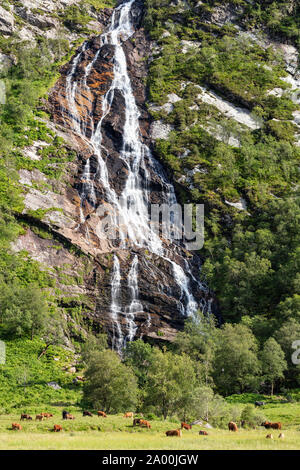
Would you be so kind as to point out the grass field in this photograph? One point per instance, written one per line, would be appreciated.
(116, 432)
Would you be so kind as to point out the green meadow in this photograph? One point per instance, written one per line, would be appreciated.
(116, 432)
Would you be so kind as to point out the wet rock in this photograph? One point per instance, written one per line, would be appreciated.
(160, 130)
(54, 385)
(6, 21)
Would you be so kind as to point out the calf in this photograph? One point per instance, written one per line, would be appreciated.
(102, 414)
(128, 415)
(203, 433)
(259, 403)
(47, 415)
(174, 432)
(87, 413)
(281, 435)
(145, 424)
(39, 417)
(69, 416)
(57, 428)
(232, 426)
(186, 426)
(16, 427)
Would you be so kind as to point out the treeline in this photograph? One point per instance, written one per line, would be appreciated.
(190, 378)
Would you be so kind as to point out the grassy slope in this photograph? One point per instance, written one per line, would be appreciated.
(24, 377)
(116, 432)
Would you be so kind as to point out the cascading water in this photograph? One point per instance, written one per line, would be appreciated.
(135, 306)
(132, 206)
(115, 308)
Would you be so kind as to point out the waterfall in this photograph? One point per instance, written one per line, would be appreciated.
(115, 308)
(133, 203)
(135, 306)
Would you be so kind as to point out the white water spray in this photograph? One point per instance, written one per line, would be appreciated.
(133, 203)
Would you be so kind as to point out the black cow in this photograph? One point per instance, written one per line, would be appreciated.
(259, 403)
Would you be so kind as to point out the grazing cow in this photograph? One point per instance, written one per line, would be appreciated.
(136, 421)
(69, 416)
(232, 426)
(87, 413)
(47, 415)
(203, 433)
(64, 414)
(16, 427)
(57, 428)
(269, 436)
(281, 436)
(128, 415)
(259, 403)
(267, 424)
(186, 426)
(39, 417)
(144, 424)
(102, 414)
(174, 432)
(26, 417)
(276, 425)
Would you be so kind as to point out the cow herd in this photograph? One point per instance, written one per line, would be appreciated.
(143, 423)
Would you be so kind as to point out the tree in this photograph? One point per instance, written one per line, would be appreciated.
(198, 340)
(236, 365)
(285, 336)
(93, 345)
(54, 334)
(211, 407)
(24, 310)
(171, 383)
(138, 355)
(252, 417)
(110, 385)
(273, 362)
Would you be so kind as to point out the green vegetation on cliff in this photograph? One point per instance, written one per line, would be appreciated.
(251, 255)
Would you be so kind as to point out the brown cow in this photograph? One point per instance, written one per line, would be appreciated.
(144, 423)
(232, 426)
(47, 415)
(69, 416)
(186, 426)
(267, 424)
(203, 433)
(269, 436)
(102, 414)
(16, 427)
(276, 425)
(57, 428)
(87, 413)
(39, 417)
(25, 417)
(174, 432)
(128, 415)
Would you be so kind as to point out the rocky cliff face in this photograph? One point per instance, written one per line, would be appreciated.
(152, 300)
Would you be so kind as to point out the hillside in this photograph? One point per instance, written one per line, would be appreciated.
(125, 105)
